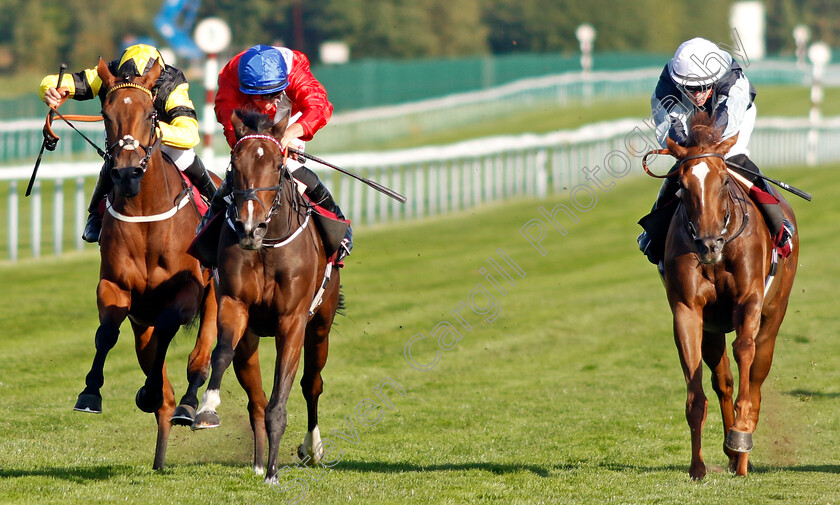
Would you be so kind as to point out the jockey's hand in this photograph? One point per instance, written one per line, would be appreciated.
(291, 135)
(54, 98)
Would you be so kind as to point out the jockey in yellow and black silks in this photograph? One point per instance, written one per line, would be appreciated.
(176, 119)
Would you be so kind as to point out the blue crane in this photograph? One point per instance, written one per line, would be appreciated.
(174, 22)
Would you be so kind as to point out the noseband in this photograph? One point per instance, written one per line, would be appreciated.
(128, 142)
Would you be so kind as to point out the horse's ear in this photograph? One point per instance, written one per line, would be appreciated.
(149, 79)
(279, 128)
(727, 144)
(677, 151)
(238, 125)
(104, 74)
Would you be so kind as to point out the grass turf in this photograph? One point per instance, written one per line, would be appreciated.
(570, 393)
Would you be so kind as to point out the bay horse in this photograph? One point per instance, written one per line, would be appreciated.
(721, 274)
(146, 274)
(274, 280)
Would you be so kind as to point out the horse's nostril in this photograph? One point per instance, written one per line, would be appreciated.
(260, 230)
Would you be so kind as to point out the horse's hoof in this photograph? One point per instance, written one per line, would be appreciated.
(184, 415)
(739, 441)
(206, 419)
(148, 402)
(308, 459)
(89, 402)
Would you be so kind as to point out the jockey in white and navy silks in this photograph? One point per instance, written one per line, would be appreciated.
(700, 76)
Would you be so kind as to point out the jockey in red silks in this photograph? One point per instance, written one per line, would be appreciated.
(277, 81)
(700, 76)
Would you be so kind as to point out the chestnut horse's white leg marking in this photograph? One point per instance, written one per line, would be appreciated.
(310, 442)
(701, 171)
(210, 401)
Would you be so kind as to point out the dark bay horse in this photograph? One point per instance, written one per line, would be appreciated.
(723, 274)
(146, 274)
(275, 281)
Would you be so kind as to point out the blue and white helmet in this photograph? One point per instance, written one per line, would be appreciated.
(698, 63)
(262, 71)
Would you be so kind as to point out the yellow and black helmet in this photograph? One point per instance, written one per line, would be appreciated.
(138, 59)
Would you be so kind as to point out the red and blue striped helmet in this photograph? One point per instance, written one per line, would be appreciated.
(262, 71)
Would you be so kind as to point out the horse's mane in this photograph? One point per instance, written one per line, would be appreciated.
(702, 131)
(257, 121)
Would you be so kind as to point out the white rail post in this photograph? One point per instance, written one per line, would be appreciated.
(58, 216)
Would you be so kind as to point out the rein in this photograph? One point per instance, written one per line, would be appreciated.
(675, 172)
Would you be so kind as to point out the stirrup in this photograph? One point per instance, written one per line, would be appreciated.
(783, 241)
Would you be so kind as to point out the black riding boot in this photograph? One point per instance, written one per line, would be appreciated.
(218, 203)
(201, 179)
(667, 192)
(93, 227)
(780, 228)
(320, 195)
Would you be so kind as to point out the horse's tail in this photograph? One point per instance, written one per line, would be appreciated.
(341, 308)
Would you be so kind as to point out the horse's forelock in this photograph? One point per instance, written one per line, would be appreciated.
(702, 131)
(256, 121)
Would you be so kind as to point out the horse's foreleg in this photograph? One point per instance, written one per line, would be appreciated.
(146, 348)
(765, 344)
(688, 335)
(184, 307)
(246, 364)
(113, 305)
(747, 320)
(714, 354)
(289, 341)
(233, 319)
(198, 366)
(316, 346)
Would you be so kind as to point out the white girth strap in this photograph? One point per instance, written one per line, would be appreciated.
(320, 295)
(288, 239)
(146, 219)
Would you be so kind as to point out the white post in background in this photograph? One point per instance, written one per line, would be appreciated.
(585, 34)
(801, 34)
(58, 217)
(35, 214)
(211, 71)
(820, 54)
(13, 221)
(212, 35)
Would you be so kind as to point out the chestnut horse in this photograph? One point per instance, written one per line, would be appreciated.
(274, 280)
(720, 275)
(146, 274)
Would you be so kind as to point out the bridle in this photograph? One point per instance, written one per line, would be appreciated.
(250, 194)
(128, 142)
(732, 195)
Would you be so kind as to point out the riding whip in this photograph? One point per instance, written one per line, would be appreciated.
(49, 142)
(796, 191)
(375, 185)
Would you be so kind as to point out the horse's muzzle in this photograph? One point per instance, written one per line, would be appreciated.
(250, 234)
(709, 249)
(127, 180)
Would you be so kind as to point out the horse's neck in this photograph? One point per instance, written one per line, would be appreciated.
(160, 185)
(741, 206)
(292, 212)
